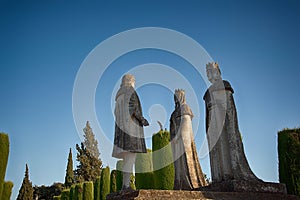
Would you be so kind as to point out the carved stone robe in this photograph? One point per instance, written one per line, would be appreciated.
(188, 173)
(227, 157)
(129, 133)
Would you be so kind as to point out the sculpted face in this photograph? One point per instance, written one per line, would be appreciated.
(213, 74)
(128, 80)
(179, 97)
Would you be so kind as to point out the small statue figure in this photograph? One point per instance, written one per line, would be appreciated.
(227, 157)
(188, 173)
(129, 122)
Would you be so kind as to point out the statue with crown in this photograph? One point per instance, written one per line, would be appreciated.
(230, 170)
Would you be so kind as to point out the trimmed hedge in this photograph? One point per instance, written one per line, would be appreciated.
(163, 177)
(289, 159)
(105, 183)
(144, 179)
(57, 198)
(88, 190)
(4, 149)
(97, 188)
(7, 189)
(119, 178)
(132, 181)
(79, 191)
(72, 192)
(65, 194)
(113, 181)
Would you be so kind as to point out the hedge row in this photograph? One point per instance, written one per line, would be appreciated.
(289, 159)
(144, 176)
(5, 187)
(163, 161)
(88, 190)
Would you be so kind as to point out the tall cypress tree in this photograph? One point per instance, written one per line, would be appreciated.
(69, 179)
(90, 164)
(26, 190)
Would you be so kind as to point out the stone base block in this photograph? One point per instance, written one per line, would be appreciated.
(245, 186)
(201, 195)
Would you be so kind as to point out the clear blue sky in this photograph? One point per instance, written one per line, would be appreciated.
(43, 43)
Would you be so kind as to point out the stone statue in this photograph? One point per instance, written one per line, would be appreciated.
(227, 157)
(188, 173)
(129, 122)
(230, 171)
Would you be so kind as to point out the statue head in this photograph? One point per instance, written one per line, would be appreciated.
(179, 97)
(128, 80)
(213, 72)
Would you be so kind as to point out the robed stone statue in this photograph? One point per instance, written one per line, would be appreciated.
(227, 157)
(129, 122)
(188, 173)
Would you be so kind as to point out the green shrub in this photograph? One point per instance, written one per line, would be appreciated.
(7, 189)
(88, 190)
(72, 192)
(65, 194)
(105, 183)
(57, 198)
(289, 159)
(113, 181)
(144, 171)
(97, 188)
(132, 181)
(4, 149)
(163, 176)
(79, 191)
(119, 178)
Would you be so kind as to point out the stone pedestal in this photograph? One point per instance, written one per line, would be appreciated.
(245, 186)
(201, 195)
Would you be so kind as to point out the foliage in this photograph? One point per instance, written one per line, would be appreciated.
(47, 192)
(72, 192)
(97, 188)
(4, 149)
(119, 178)
(65, 194)
(88, 190)
(7, 189)
(132, 181)
(164, 177)
(90, 164)
(26, 190)
(144, 165)
(113, 181)
(57, 198)
(69, 178)
(79, 191)
(105, 183)
(289, 159)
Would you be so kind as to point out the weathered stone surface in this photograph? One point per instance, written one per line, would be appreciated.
(188, 173)
(201, 195)
(245, 186)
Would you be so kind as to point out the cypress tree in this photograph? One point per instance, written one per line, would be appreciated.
(144, 170)
(65, 195)
(289, 159)
(97, 189)
(119, 175)
(90, 164)
(79, 191)
(88, 190)
(164, 174)
(7, 189)
(4, 149)
(69, 178)
(113, 181)
(105, 183)
(26, 190)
